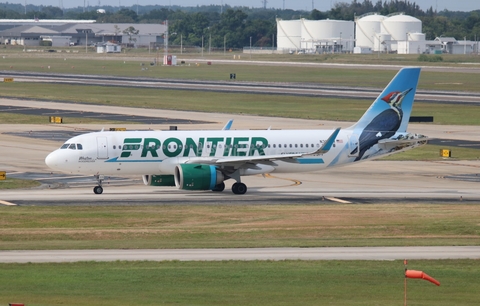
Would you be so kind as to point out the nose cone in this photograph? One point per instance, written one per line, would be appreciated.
(52, 160)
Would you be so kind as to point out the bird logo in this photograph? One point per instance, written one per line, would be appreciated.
(384, 125)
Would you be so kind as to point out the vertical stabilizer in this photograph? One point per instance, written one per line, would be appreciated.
(397, 97)
(388, 115)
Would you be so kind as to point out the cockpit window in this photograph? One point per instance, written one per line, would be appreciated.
(79, 146)
(65, 145)
(72, 147)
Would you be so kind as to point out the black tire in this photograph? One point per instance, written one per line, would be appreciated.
(239, 188)
(219, 188)
(98, 189)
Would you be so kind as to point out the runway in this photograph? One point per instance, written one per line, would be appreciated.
(244, 254)
(316, 90)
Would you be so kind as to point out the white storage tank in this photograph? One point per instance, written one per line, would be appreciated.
(416, 36)
(399, 25)
(289, 34)
(366, 27)
(382, 43)
(333, 32)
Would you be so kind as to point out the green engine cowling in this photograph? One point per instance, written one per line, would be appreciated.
(158, 180)
(197, 177)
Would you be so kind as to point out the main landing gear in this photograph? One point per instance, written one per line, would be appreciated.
(239, 188)
(98, 189)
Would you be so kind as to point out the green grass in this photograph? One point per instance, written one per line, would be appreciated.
(253, 104)
(191, 226)
(12, 118)
(239, 283)
(244, 72)
(432, 153)
(12, 183)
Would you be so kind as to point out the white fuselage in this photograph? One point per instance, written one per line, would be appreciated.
(158, 152)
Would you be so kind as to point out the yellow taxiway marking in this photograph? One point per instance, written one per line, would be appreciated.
(7, 203)
(295, 182)
(338, 200)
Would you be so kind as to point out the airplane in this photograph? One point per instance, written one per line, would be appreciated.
(205, 159)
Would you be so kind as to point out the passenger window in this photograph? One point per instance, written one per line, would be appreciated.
(274, 146)
(290, 145)
(79, 146)
(301, 145)
(72, 147)
(306, 145)
(296, 145)
(65, 145)
(114, 147)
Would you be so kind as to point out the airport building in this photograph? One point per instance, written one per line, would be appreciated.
(61, 33)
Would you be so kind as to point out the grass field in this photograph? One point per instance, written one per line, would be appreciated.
(244, 72)
(239, 283)
(11, 183)
(225, 226)
(252, 104)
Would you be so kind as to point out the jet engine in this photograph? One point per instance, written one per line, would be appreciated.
(197, 177)
(158, 180)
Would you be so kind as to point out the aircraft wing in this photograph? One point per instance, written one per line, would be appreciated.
(237, 161)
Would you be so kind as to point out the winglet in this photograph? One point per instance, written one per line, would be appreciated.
(327, 145)
(228, 125)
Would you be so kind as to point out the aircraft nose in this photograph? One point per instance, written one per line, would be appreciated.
(52, 160)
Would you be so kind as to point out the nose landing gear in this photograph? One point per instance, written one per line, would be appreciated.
(98, 189)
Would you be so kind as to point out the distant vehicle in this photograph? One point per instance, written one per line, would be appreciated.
(72, 43)
(203, 160)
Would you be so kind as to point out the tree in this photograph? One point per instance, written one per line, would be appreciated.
(131, 31)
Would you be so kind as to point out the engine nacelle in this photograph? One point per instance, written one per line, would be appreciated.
(197, 177)
(158, 180)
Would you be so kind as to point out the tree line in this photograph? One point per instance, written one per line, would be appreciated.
(237, 26)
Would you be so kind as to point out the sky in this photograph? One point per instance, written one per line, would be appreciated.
(321, 5)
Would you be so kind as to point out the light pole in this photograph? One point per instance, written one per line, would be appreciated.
(250, 47)
(202, 45)
(224, 44)
(341, 42)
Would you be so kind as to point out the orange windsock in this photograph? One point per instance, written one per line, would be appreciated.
(422, 275)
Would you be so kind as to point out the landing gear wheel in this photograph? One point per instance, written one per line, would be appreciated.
(239, 188)
(219, 188)
(98, 189)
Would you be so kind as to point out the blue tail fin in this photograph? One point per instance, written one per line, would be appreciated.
(396, 99)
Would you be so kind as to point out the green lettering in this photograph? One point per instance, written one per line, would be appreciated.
(214, 141)
(150, 145)
(177, 147)
(228, 143)
(237, 145)
(258, 144)
(126, 148)
(191, 145)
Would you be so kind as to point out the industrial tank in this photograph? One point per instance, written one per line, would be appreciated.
(289, 34)
(399, 25)
(315, 32)
(366, 27)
